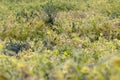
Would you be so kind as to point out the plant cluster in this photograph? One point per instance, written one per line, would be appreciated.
(59, 40)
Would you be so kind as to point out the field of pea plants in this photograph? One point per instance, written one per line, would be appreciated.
(59, 39)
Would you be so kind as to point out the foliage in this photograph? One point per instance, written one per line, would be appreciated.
(59, 40)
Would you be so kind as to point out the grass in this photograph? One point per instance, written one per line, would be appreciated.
(69, 39)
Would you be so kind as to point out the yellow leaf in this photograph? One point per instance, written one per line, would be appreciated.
(85, 70)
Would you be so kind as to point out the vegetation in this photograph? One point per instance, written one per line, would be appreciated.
(59, 39)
